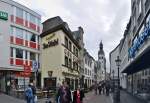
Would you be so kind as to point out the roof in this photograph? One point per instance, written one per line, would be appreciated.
(54, 24)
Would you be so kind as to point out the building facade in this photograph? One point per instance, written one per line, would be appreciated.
(112, 57)
(89, 64)
(60, 54)
(134, 48)
(19, 44)
(138, 68)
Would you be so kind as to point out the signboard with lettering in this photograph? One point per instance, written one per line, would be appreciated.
(140, 40)
(3, 15)
(50, 43)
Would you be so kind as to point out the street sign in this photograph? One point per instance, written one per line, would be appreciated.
(35, 65)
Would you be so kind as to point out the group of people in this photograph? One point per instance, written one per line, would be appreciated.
(64, 94)
(103, 87)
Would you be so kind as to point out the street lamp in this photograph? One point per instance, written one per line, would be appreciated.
(118, 61)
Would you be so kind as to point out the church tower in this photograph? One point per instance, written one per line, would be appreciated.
(102, 61)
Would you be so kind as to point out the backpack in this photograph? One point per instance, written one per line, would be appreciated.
(28, 93)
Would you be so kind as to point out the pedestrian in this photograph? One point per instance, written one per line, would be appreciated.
(64, 94)
(107, 89)
(103, 87)
(95, 87)
(99, 89)
(33, 87)
(29, 94)
(78, 95)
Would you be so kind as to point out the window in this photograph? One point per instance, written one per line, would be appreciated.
(145, 72)
(32, 37)
(19, 53)
(139, 6)
(77, 52)
(32, 56)
(66, 61)
(11, 52)
(74, 48)
(39, 22)
(19, 12)
(85, 71)
(26, 16)
(70, 46)
(19, 33)
(26, 54)
(134, 17)
(66, 42)
(74, 65)
(70, 63)
(11, 30)
(26, 35)
(32, 19)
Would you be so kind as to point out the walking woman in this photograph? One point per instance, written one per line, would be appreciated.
(78, 95)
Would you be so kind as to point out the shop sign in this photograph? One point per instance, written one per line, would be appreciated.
(140, 40)
(3, 15)
(50, 37)
(50, 43)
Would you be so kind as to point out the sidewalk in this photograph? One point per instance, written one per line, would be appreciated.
(9, 99)
(128, 98)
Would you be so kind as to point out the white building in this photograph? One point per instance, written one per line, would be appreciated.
(19, 43)
(112, 57)
(89, 63)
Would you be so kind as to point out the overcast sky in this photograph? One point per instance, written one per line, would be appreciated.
(103, 20)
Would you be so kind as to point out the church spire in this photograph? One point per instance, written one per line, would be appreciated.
(101, 51)
(101, 45)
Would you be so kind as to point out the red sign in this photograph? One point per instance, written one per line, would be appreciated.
(27, 69)
(25, 73)
(22, 74)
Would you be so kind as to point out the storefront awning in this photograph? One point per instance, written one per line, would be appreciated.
(140, 63)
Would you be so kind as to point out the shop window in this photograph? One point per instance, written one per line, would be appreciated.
(32, 56)
(19, 12)
(66, 42)
(11, 52)
(19, 33)
(32, 37)
(145, 72)
(19, 53)
(66, 61)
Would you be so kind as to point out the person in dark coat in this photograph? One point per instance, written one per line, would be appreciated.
(99, 88)
(64, 94)
(78, 95)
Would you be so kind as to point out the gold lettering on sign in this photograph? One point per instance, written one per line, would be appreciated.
(50, 37)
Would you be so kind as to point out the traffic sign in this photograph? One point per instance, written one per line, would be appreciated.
(35, 65)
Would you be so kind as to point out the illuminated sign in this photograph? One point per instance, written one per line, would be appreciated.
(50, 44)
(3, 15)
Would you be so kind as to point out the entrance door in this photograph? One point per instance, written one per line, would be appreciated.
(50, 83)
